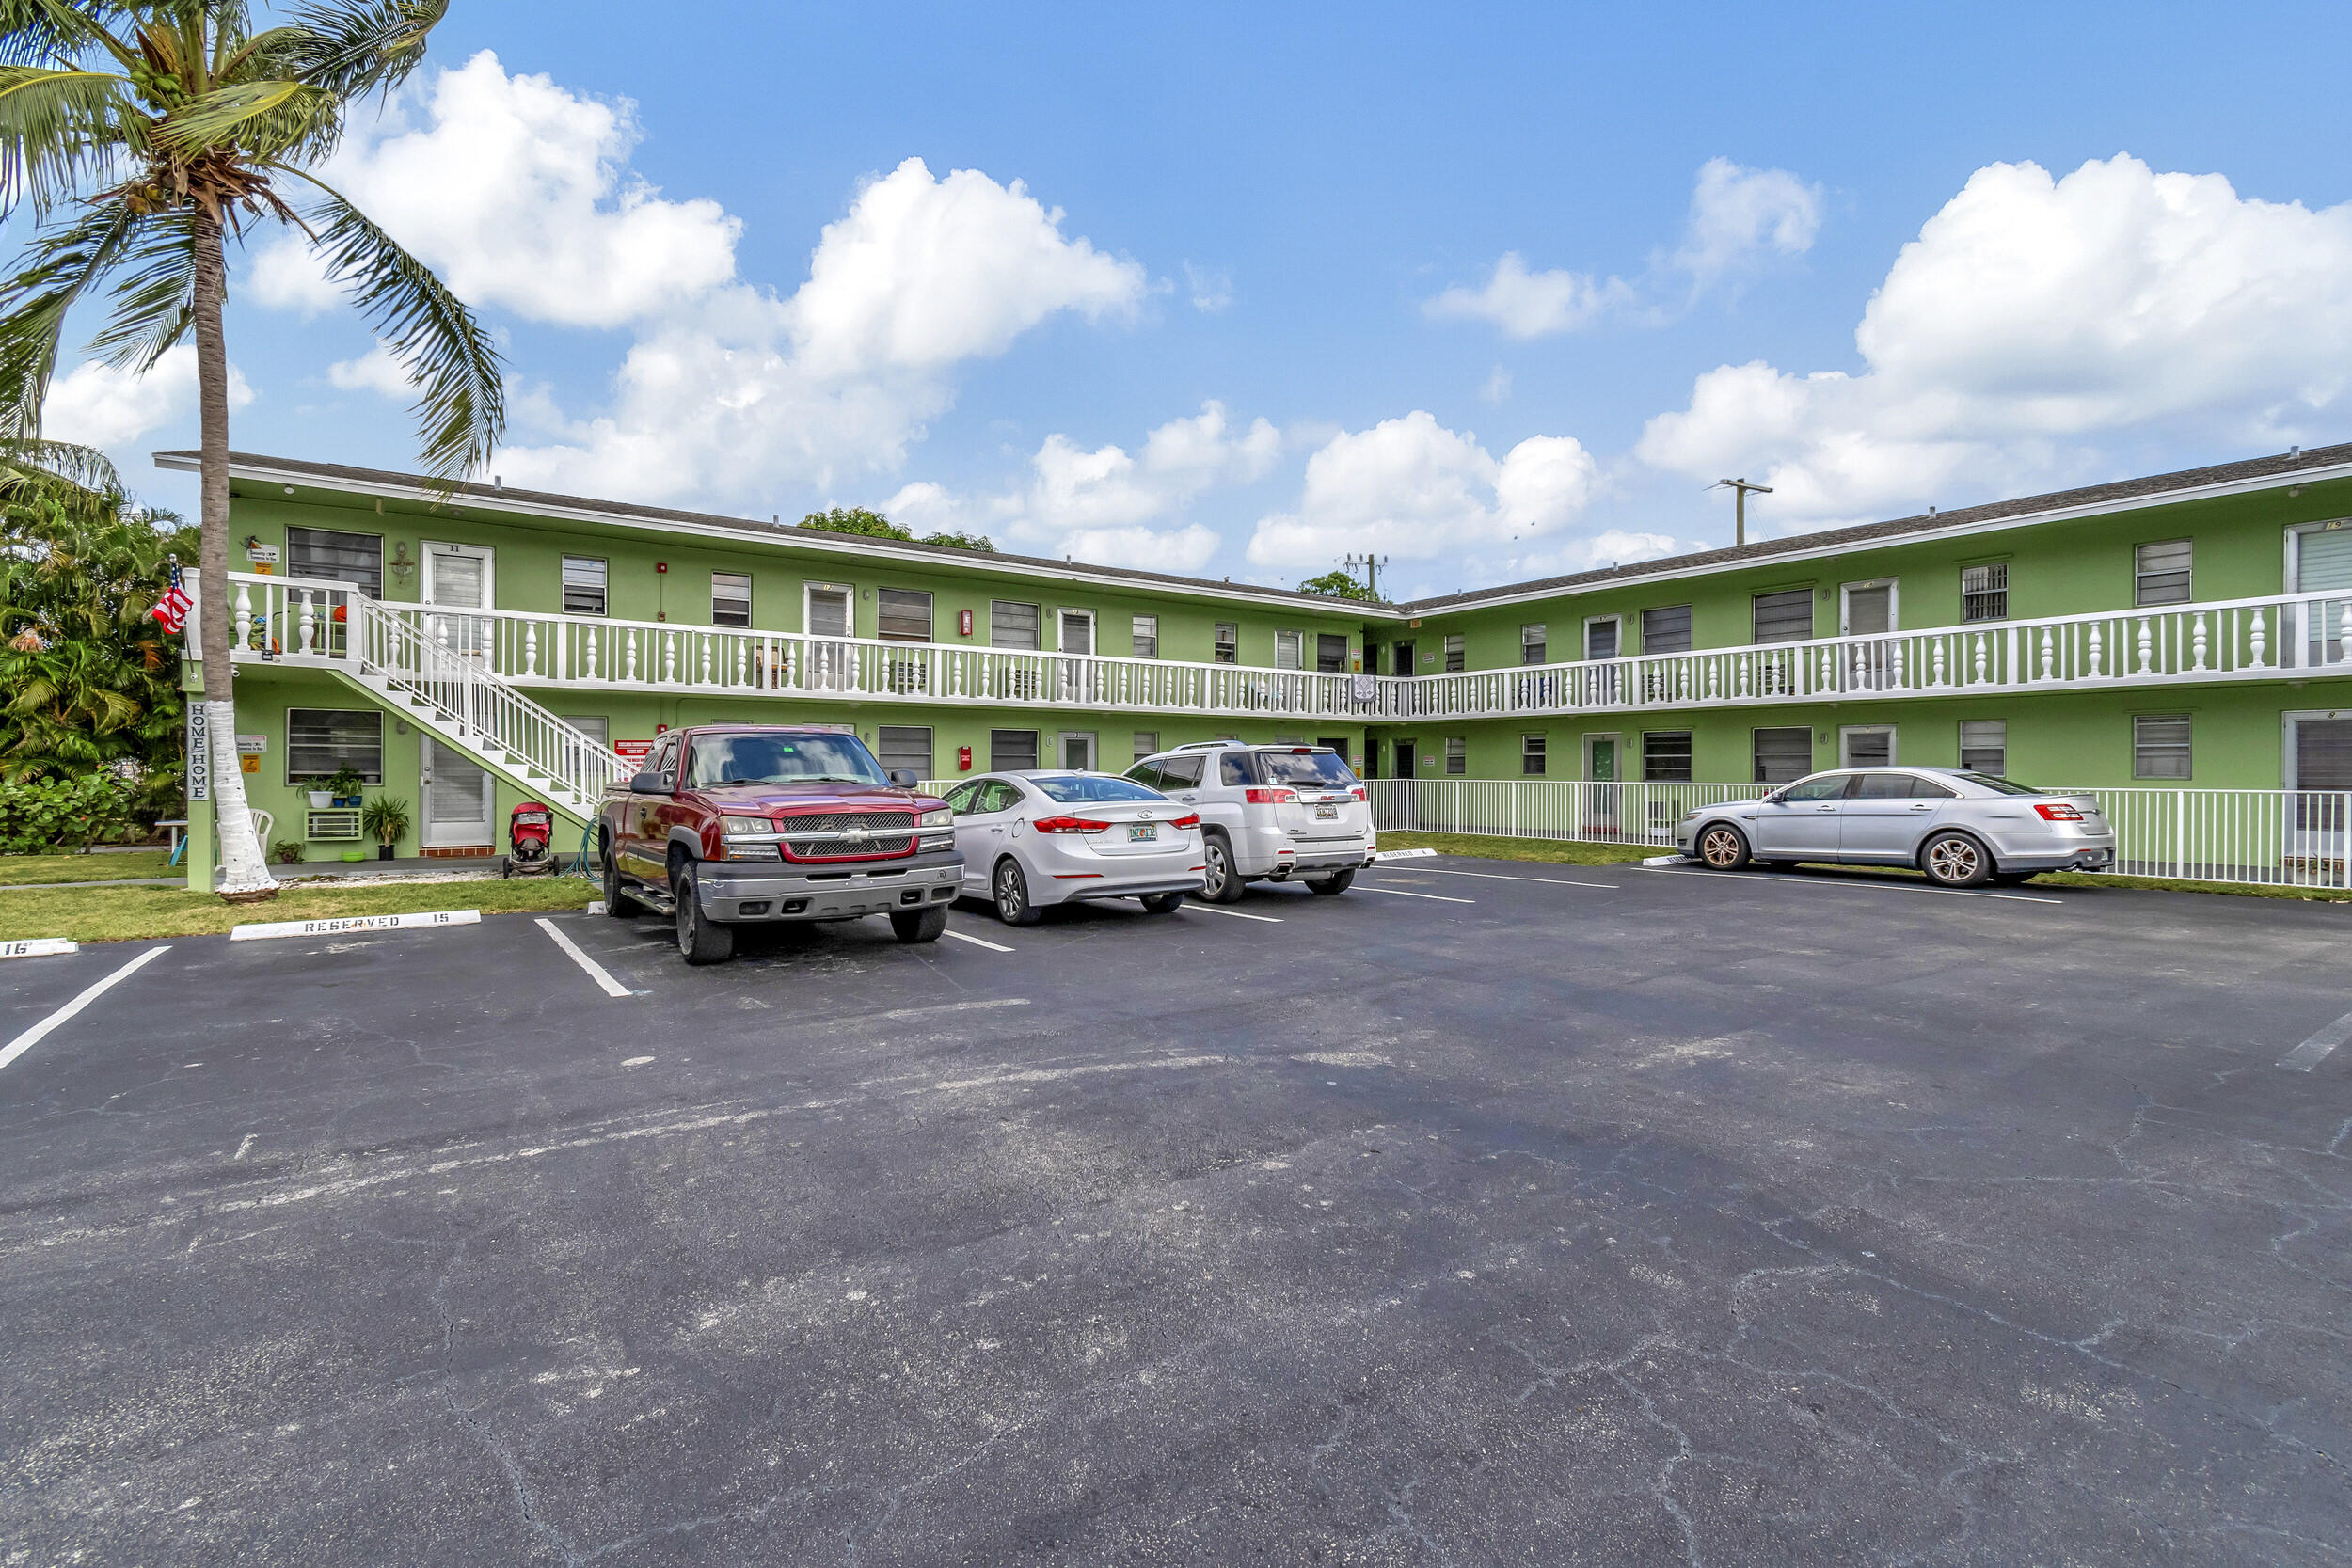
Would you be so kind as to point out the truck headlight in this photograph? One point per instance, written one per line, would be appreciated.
(938, 816)
(746, 825)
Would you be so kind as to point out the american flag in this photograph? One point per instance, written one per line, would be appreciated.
(171, 610)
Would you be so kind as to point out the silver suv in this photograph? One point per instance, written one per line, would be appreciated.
(1281, 813)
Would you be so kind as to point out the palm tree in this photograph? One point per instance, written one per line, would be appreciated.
(140, 135)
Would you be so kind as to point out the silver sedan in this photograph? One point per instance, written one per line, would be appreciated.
(1961, 828)
(1039, 837)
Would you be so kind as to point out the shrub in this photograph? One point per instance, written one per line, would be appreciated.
(49, 814)
(287, 851)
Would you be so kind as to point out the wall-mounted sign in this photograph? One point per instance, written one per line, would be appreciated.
(252, 745)
(633, 751)
(262, 555)
(200, 754)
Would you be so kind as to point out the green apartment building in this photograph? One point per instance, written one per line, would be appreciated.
(469, 649)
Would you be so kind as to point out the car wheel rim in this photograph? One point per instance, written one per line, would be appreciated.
(1719, 848)
(1954, 860)
(1008, 893)
(1217, 872)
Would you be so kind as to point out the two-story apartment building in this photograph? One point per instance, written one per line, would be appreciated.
(465, 649)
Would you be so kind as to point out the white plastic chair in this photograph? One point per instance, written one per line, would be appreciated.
(262, 823)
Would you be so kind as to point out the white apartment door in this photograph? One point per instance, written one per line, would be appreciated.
(458, 800)
(1867, 609)
(460, 577)
(2319, 768)
(1077, 637)
(2323, 564)
(1077, 749)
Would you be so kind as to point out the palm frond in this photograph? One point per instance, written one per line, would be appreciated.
(55, 269)
(57, 128)
(59, 32)
(31, 460)
(279, 119)
(353, 47)
(461, 405)
(155, 303)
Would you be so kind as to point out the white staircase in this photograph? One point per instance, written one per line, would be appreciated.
(454, 696)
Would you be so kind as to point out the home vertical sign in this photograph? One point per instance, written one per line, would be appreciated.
(200, 754)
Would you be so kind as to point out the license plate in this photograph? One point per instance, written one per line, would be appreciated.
(1141, 833)
(1327, 814)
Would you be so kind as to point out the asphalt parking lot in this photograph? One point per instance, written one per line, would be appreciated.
(1491, 1213)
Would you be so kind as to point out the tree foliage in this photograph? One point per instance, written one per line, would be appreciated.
(1337, 585)
(91, 681)
(858, 520)
(979, 542)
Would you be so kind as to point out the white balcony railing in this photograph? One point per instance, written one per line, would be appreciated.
(2293, 636)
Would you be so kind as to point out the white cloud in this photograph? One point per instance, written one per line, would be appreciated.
(1528, 304)
(1737, 215)
(1212, 290)
(1410, 487)
(516, 192)
(377, 370)
(2031, 319)
(519, 193)
(96, 405)
(1101, 504)
(1497, 386)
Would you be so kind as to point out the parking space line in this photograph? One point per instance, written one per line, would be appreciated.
(595, 971)
(1437, 898)
(1214, 909)
(40, 1032)
(1870, 884)
(1501, 877)
(978, 942)
(2315, 1051)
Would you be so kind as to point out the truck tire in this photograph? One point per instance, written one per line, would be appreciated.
(1333, 885)
(700, 941)
(1224, 884)
(617, 903)
(919, 925)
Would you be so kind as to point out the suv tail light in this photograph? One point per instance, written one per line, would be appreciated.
(1359, 793)
(1069, 825)
(1190, 819)
(2058, 814)
(1273, 797)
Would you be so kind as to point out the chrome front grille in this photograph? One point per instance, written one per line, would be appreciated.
(846, 834)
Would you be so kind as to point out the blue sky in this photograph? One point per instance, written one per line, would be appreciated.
(1261, 214)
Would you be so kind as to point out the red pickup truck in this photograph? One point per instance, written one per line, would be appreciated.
(733, 824)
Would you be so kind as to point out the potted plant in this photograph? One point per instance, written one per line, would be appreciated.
(385, 817)
(322, 792)
(345, 785)
(287, 851)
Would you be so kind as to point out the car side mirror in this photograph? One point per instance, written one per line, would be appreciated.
(903, 778)
(651, 783)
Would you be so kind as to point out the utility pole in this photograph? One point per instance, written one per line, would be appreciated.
(1371, 571)
(1740, 488)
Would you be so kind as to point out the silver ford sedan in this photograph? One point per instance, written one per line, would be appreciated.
(1961, 828)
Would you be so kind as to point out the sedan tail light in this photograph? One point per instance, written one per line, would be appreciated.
(2058, 814)
(1273, 797)
(1069, 825)
(1190, 819)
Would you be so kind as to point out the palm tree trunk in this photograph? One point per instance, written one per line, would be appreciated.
(247, 875)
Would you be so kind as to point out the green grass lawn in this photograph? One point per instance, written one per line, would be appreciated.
(16, 870)
(129, 913)
(1483, 847)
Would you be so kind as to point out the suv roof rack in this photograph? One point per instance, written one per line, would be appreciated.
(1211, 745)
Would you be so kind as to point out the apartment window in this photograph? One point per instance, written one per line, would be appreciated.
(1532, 756)
(1147, 742)
(319, 740)
(1457, 754)
(2160, 746)
(1456, 653)
(828, 610)
(325, 552)
(1331, 653)
(583, 585)
(1782, 755)
(1532, 646)
(907, 746)
(1984, 746)
(1011, 748)
(595, 727)
(1011, 624)
(1666, 757)
(1667, 630)
(1786, 616)
(1147, 637)
(1228, 648)
(730, 600)
(2160, 573)
(1984, 592)
(903, 615)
